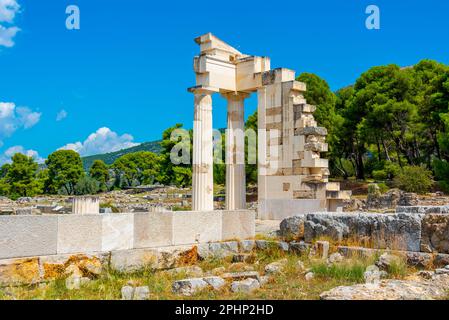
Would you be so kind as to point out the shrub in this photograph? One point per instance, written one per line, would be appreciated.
(380, 175)
(386, 170)
(392, 169)
(414, 179)
(383, 187)
(441, 169)
(86, 185)
(373, 189)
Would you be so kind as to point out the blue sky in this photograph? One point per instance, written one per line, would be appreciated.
(122, 78)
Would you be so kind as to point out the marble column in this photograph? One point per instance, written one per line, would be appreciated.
(86, 205)
(235, 152)
(202, 168)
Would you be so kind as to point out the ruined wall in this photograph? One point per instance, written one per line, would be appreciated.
(414, 229)
(30, 236)
(291, 171)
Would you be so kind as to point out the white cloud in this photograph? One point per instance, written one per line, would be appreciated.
(7, 155)
(13, 118)
(104, 140)
(61, 115)
(7, 35)
(8, 11)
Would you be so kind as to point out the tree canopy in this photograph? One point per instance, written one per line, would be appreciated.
(65, 168)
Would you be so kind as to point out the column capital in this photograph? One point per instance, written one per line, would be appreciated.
(203, 90)
(235, 95)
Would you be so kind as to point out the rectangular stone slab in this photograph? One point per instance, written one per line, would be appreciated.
(154, 229)
(133, 260)
(239, 224)
(25, 236)
(191, 227)
(117, 231)
(79, 233)
(399, 231)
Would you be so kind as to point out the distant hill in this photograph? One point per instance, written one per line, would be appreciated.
(109, 158)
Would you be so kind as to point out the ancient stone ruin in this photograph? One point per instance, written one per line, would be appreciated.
(293, 187)
(292, 176)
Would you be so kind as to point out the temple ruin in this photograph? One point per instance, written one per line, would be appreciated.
(292, 177)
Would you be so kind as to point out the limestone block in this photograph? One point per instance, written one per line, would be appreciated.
(215, 282)
(239, 224)
(188, 287)
(278, 209)
(248, 72)
(133, 260)
(191, 227)
(245, 286)
(79, 233)
(441, 260)
(153, 229)
(25, 236)
(218, 249)
(292, 227)
(333, 186)
(435, 233)
(246, 245)
(87, 264)
(311, 161)
(316, 146)
(315, 131)
(215, 73)
(423, 209)
(392, 231)
(392, 289)
(277, 75)
(117, 231)
(399, 232)
(19, 271)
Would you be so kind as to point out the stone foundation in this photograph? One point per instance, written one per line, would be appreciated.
(30, 236)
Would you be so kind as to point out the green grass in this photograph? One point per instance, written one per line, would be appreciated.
(351, 270)
(287, 285)
(399, 268)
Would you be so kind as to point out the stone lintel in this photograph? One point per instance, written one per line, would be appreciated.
(235, 95)
(209, 42)
(277, 75)
(203, 90)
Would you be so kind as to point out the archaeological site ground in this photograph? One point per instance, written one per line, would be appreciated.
(278, 185)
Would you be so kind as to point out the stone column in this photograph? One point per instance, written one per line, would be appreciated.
(235, 152)
(86, 205)
(202, 168)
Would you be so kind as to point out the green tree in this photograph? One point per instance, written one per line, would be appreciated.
(414, 179)
(182, 176)
(64, 170)
(100, 172)
(430, 94)
(319, 94)
(86, 186)
(250, 168)
(21, 177)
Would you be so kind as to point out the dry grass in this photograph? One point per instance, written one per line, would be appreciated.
(287, 285)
